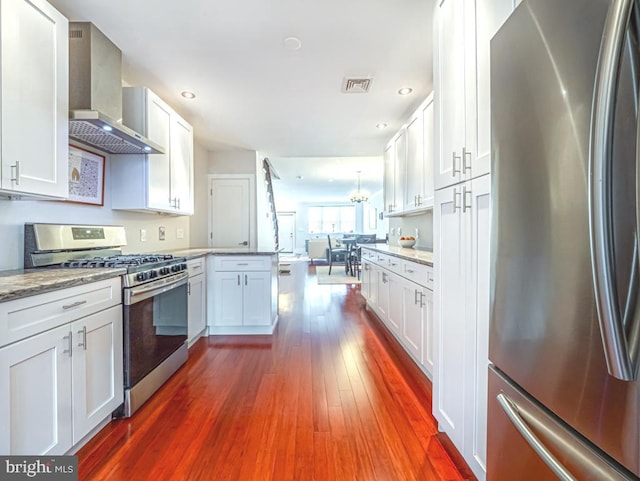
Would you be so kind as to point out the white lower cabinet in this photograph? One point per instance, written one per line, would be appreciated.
(197, 292)
(243, 293)
(60, 384)
(397, 290)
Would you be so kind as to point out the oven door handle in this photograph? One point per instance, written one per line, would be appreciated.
(136, 294)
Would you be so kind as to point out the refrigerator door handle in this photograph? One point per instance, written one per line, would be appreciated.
(620, 363)
(549, 459)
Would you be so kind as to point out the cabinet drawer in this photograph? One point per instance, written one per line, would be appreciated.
(395, 264)
(380, 259)
(242, 263)
(418, 273)
(25, 317)
(367, 254)
(196, 266)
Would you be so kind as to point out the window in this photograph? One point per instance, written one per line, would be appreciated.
(332, 218)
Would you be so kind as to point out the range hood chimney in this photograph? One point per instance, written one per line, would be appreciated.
(95, 94)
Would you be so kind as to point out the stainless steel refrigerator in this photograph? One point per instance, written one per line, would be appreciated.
(564, 399)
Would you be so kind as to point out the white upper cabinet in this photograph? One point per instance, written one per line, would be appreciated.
(34, 71)
(455, 91)
(408, 161)
(463, 95)
(420, 158)
(154, 182)
(389, 177)
(400, 170)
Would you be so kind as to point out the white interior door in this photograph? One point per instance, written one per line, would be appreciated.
(287, 231)
(230, 212)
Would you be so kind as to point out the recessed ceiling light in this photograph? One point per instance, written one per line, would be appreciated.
(330, 180)
(382, 125)
(299, 177)
(292, 43)
(188, 94)
(108, 128)
(405, 91)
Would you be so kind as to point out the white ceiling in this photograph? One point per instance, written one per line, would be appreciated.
(253, 93)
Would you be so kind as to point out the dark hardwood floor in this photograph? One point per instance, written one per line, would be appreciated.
(328, 397)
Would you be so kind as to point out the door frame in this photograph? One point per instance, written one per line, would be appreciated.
(253, 240)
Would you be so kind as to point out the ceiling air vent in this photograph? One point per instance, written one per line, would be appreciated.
(356, 85)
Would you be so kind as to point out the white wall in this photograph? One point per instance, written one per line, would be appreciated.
(408, 226)
(14, 214)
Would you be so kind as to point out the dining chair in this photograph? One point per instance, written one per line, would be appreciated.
(335, 254)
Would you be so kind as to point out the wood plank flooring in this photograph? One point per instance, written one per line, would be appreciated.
(328, 397)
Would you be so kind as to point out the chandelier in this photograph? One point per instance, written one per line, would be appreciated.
(358, 197)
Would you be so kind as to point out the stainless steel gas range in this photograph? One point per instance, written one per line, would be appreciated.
(154, 298)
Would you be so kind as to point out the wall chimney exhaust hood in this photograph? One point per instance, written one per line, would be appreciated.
(95, 94)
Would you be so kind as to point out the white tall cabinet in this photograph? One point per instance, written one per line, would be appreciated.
(34, 104)
(154, 182)
(462, 219)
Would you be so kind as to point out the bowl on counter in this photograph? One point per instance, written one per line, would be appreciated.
(406, 242)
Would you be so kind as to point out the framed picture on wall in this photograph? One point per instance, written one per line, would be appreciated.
(86, 176)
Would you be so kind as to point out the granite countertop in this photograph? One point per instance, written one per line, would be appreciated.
(192, 253)
(19, 283)
(416, 255)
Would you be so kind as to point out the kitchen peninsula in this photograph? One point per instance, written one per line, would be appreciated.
(242, 289)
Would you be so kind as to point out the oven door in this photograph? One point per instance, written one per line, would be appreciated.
(155, 324)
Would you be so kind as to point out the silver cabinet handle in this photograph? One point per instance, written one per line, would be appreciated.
(83, 344)
(455, 197)
(75, 304)
(622, 360)
(189, 288)
(245, 279)
(242, 264)
(16, 168)
(384, 277)
(69, 339)
(466, 155)
(415, 296)
(549, 459)
(238, 279)
(410, 271)
(466, 206)
(422, 296)
(455, 157)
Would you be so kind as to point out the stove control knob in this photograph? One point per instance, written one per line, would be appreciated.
(140, 276)
(153, 274)
(175, 268)
(164, 271)
(183, 267)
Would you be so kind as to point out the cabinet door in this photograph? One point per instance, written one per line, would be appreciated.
(393, 289)
(373, 286)
(490, 15)
(35, 405)
(415, 163)
(159, 165)
(383, 297)
(197, 307)
(427, 331)
(412, 302)
(182, 165)
(366, 280)
(34, 98)
(428, 149)
(97, 369)
(449, 388)
(389, 178)
(227, 299)
(450, 72)
(257, 298)
(400, 171)
(477, 322)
